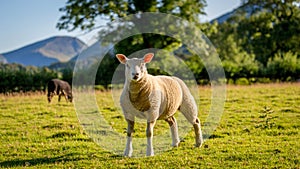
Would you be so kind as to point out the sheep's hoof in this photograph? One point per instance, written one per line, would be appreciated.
(176, 144)
(127, 153)
(198, 144)
(150, 155)
(127, 156)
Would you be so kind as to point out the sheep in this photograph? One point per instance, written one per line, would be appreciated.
(155, 98)
(60, 88)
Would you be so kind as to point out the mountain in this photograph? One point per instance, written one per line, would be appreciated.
(225, 17)
(2, 59)
(249, 9)
(87, 57)
(46, 52)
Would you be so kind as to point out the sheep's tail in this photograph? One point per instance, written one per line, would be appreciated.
(188, 106)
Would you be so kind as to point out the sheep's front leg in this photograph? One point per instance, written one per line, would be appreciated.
(50, 95)
(129, 149)
(149, 133)
(59, 97)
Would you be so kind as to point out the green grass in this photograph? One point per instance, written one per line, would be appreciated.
(259, 129)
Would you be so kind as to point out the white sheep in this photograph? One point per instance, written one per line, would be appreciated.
(155, 98)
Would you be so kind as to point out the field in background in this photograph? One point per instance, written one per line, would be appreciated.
(259, 129)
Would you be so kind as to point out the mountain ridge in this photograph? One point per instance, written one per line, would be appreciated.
(46, 52)
(249, 9)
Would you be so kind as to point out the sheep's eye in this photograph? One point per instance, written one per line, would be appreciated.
(127, 66)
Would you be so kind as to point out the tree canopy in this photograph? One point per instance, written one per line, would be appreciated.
(259, 40)
(83, 14)
(272, 27)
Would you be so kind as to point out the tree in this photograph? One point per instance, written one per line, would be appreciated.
(237, 62)
(16, 78)
(272, 27)
(83, 15)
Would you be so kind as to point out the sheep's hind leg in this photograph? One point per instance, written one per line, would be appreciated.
(189, 110)
(149, 133)
(65, 95)
(174, 131)
(198, 133)
(128, 150)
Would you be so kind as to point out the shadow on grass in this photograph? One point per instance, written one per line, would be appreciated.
(39, 161)
(51, 160)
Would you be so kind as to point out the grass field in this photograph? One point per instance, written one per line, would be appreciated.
(259, 129)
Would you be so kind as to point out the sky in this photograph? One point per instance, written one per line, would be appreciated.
(23, 22)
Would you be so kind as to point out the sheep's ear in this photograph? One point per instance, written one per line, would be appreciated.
(122, 58)
(148, 57)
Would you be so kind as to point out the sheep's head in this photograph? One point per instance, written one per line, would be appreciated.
(135, 67)
(70, 97)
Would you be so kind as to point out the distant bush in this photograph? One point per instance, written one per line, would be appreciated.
(283, 66)
(100, 88)
(242, 81)
(241, 65)
(16, 78)
(263, 80)
(230, 81)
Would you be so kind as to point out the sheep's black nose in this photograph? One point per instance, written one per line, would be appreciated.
(135, 75)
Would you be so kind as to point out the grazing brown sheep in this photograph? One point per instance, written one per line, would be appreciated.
(60, 88)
